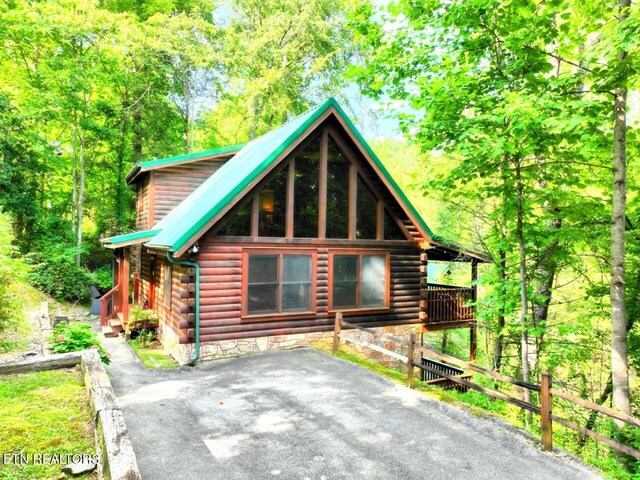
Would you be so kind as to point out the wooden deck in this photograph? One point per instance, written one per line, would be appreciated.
(449, 306)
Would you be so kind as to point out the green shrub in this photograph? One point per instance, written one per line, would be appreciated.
(103, 278)
(10, 269)
(74, 337)
(59, 276)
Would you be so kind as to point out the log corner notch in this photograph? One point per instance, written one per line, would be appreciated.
(188, 295)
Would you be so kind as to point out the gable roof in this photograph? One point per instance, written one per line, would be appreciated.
(142, 167)
(219, 193)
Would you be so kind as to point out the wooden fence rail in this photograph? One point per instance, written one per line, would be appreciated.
(545, 390)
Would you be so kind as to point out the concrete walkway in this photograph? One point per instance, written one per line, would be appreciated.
(301, 414)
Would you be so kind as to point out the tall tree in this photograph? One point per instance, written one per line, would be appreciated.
(280, 57)
(478, 83)
(619, 356)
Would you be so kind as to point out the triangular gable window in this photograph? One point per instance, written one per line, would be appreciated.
(306, 191)
(239, 224)
(366, 212)
(351, 210)
(337, 192)
(391, 229)
(273, 206)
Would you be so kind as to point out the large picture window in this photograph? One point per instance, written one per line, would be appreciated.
(278, 283)
(359, 281)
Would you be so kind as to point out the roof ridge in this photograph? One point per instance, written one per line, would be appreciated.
(183, 156)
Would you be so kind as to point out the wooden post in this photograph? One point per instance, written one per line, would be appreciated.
(125, 286)
(290, 195)
(336, 332)
(412, 340)
(545, 413)
(474, 281)
(353, 201)
(473, 343)
(322, 181)
(136, 288)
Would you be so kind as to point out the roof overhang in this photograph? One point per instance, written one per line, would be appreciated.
(142, 167)
(441, 251)
(129, 239)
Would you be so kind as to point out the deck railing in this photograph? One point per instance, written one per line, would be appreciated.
(545, 392)
(108, 305)
(448, 303)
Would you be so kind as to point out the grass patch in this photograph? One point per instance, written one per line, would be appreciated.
(44, 412)
(401, 378)
(153, 356)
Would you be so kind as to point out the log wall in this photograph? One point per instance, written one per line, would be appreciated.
(142, 204)
(174, 184)
(221, 294)
(176, 316)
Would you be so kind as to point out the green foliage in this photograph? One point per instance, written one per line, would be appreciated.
(277, 59)
(140, 317)
(59, 276)
(74, 337)
(103, 278)
(146, 337)
(518, 97)
(11, 270)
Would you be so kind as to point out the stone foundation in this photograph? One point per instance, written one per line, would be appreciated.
(323, 340)
(401, 331)
(171, 344)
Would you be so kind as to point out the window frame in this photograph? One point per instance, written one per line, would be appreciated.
(263, 316)
(360, 253)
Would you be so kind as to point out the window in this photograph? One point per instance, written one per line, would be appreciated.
(238, 224)
(278, 283)
(391, 229)
(337, 192)
(359, 281)
(306, 191)
(367, 212)
(273, 205)
(168, 271)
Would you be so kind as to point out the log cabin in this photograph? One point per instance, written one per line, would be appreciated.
(258, 246)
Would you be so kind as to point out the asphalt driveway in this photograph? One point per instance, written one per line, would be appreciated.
(301, 414)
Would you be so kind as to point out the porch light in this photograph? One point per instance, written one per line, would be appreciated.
(267, 201)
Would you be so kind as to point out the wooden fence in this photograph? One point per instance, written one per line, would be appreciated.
(545, 390)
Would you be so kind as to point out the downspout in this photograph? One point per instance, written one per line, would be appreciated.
(186, 263)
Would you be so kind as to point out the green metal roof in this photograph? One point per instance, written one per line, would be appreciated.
(129, 238)
(184, 221)
(412, 210)
(165, 162)
(178, 229)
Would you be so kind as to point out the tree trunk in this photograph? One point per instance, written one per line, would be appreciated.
(186, 120)
(619, 361)
(74, 175)
(120, 162)
(498, 345)
(137, 132)
(524, 297)
(546, 274)
(79, 214)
